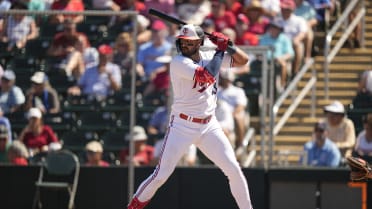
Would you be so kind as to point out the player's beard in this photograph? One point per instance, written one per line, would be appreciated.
(189, 52)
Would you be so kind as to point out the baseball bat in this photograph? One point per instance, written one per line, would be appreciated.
(169, 18)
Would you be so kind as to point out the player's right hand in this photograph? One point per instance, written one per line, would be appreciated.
(220, 40)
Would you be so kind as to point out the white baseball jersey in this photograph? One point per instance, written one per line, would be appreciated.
(197, 100)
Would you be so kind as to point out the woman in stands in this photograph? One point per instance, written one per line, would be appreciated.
(37, 136)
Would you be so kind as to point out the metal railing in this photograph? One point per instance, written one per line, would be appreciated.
(291, 89)
(330, 53)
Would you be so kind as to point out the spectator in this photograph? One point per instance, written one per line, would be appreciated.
(243, 36)
(11, 96)
(35, 5)
(143, 31)
(5, 121)
(159, 78)
(321, 151)
(363, 145)
(226, 119)
(99, 81)
(105, 5)
(17, 153)
(18, 29)
(234, 6)
(323, 10)
(42, 95)
(5, 142)
(237, 100)
(295, 28)
(4, 6)
(271, 8)
(340, 128)
(148, 52)
(363, 99)
(306, 11)
(143, 153)
(36, 135)
(194, 11)
(257, 21)
(94, 152)
(124, 53)
(283, 51)
(221, 16)
(63, 50)
(89, 54)
(67, 5)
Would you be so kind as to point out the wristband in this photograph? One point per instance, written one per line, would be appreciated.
(231, 49)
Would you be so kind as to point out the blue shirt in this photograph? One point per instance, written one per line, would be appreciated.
(5, 121)
(306, 11)
(282, 44)
(318, 5)
(159, 119)
(147, 54)
(328, 155)
(94, 83)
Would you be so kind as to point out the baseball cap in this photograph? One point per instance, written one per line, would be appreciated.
(158, 25)
(34, 112)
(335, 107)
(287, 4)
(105, 49)
(9, 75)
(191, 32)
(94, 146)
(242, 18)
(39, 77)
(139, 134)
(164, 59)
(4, 132)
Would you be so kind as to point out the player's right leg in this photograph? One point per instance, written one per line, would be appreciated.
(175, 144)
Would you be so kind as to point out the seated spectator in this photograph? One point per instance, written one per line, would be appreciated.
(143, 31)
(11, 96)
(94, 152)
(363, 145)
(42, 95)
(340, 129)
(271, 8)
(143, 153)
(295, 28)
(99, 81)
(4, 6)
(283, 51)
(5, 142)
(148, 52)
(321, 151)
(159, 78)
(194, 11)
(257, 21)
(67, 5)
(89, 55)
(63, 49)
(5, 121)
(105, 5)
(36, 135)
(17, 153)
(124, 53)
(243, 36)
(226, 119)
(363, 99)
(221, 16)
(18, 29)
(237, 100)
(234, 6)
(306, 11)
(166, 6)
(323, 10)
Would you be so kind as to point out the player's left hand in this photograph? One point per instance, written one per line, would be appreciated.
(220, 40)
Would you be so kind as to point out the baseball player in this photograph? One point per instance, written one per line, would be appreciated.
(192, 121)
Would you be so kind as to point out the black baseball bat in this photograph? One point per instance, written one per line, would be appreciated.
(169, 18)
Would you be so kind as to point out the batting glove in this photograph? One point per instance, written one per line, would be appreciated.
(220, 40)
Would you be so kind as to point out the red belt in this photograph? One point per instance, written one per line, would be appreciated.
(196, 120)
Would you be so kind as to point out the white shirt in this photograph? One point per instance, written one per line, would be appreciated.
(233, 95)
(368, 75)
(294, 25)
(224, 115)
(193, 99)
(362, 144)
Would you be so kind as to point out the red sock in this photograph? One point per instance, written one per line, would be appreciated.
(136, 204)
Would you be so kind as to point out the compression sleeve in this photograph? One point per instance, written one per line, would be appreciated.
(214, 65)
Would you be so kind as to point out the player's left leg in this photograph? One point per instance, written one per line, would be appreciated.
(215, 145)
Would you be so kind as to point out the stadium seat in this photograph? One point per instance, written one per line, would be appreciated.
(96, 121)
(76, 140)
(114, 140)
